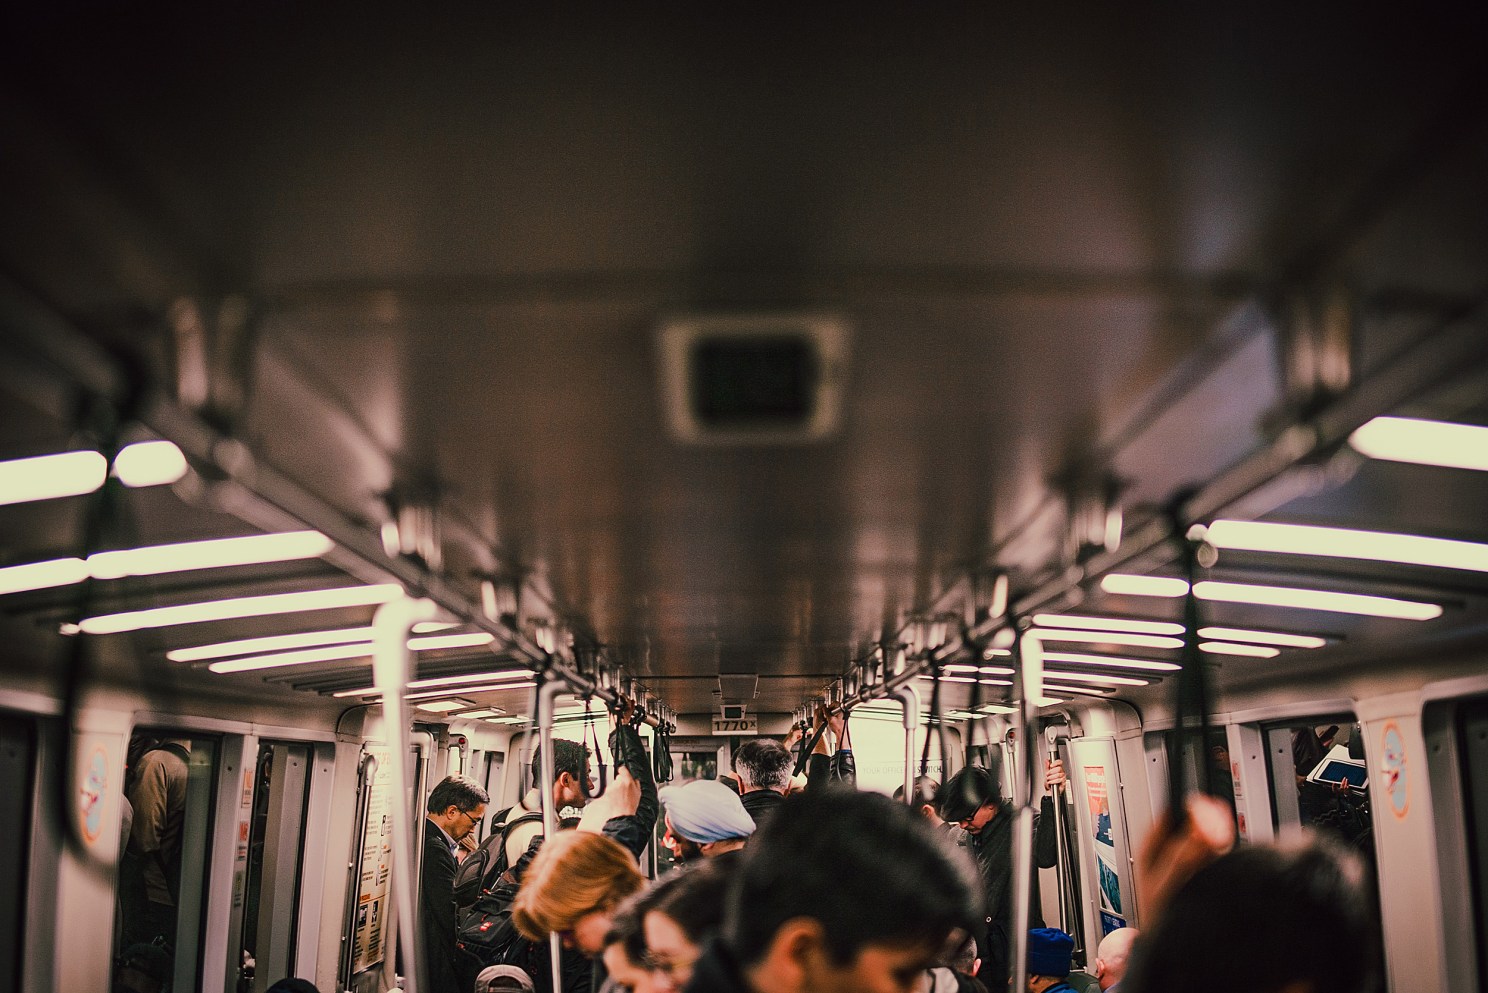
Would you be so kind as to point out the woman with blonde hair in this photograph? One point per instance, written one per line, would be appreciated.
(572, 889)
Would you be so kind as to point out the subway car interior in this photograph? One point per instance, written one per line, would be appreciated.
(388, 391)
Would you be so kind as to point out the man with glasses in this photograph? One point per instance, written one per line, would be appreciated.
(972, 799)
(455, 807)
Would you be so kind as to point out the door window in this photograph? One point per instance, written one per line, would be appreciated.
(275, 847)
(17, 762)
(169, 790)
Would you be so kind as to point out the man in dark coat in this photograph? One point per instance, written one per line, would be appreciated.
(973, 799)
(764, 768)
(455, 806)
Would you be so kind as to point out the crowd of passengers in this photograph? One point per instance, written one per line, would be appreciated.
(830, 889)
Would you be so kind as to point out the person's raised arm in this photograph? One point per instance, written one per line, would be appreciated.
(1045, 840)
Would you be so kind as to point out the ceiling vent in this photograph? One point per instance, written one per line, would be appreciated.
(753, 378)
(740, 686)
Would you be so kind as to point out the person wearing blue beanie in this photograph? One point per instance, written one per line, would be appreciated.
(704, 819)
(1050, 952)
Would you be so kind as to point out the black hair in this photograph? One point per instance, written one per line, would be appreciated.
(568, 756)
(628, 925)
(763, 763)
(967, 790)
(869, 870)
(696, 901)
(462, 792)
(1264, 917)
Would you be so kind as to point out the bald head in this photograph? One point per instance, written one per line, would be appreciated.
(1112, 955)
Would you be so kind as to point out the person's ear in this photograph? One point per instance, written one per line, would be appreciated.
(1100, 968)
(795, 953)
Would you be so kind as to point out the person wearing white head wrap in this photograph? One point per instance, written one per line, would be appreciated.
(704, 819)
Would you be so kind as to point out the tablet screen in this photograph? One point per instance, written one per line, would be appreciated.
(1344, 772)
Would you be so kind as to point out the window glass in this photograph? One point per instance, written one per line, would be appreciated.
(1472, 731)
(275, 846)
(168, 789)
(17, 762)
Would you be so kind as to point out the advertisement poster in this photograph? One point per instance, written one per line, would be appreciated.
(1097, 795)
(370, 933)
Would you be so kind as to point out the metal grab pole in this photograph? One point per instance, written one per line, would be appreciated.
(392, 669)
(548, 691)
(909, 699)
(1064, 867)
(1031, 678)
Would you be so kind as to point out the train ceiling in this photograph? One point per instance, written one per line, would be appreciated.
(400, 262)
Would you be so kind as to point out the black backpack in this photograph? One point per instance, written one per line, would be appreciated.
(488, 936)
(481, 870)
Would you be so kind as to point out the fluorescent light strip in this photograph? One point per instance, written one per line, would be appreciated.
(1079, 658)
(1230, 648)
(66, 474)
(445, 706)
(1264, 637)
(1098, 678)
(1105, 624)
(51, 477)
(985, 670)
(1423, 442)
(968, 679)
(154, 560)
(478, 714)
(217, 553)
(1338, 603)
(1127, 584)
(252, 606)
(472, 640)
(1343, 543)
(149, 463)
(1290, 596)
(428, 627)
(306, 656)
(42, 575)
(993, 653)
(486, 679)
(1109, 638)
(272, 643)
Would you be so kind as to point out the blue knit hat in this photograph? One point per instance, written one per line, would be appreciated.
(706, 811)
(1049, 952)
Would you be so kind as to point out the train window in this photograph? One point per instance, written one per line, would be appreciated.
(495, 763)
(17, 761)
(169, 786)
(1472, 731)
(275, 847)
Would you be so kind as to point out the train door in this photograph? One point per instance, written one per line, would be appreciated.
(170, 786)
(17, 765)
(271, 897)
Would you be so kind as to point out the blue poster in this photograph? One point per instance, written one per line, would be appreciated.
(1110, 885)
(1110, 922)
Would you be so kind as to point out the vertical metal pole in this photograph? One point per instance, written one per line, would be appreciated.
(1031, 678)
(1064, 867)
(548, 691)
(909, 699)
(392, 669)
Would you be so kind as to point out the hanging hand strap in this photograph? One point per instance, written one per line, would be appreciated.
(591, 733)
(1191, 703)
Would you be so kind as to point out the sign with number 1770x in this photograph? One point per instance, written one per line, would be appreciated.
(744, 725)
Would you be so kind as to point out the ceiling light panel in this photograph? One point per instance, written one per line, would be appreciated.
(237, 607)
(1344, 543)
(1278, 638)
(1105, 624)
(1109, 661)
(1423, 442)
(218, 553)
(1099, 678)
(272, 643)
(1230, 648)
(1109, 638)
(305, 656)
(42, 575)
(1326, 600)
(1129, 585)
(447, 705)
(149, 463)
(51, 477)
